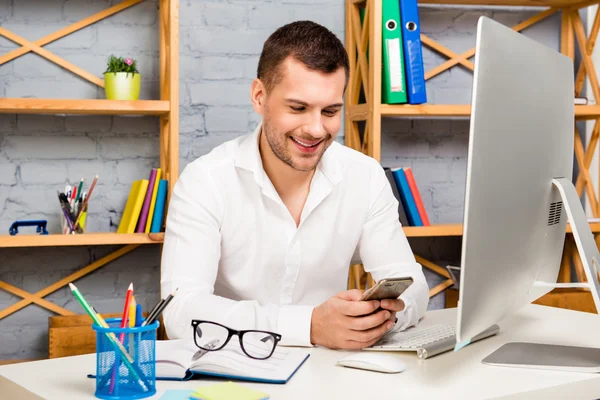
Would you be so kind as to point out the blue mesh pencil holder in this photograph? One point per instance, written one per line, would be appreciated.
(125, 369)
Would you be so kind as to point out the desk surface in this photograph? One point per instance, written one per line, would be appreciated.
(448, 376)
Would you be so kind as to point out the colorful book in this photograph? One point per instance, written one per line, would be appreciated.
(159, 210)
(141, 224)
(412, 183)
(407, 198)
(401, 213)
(133, 206)
(153, 200)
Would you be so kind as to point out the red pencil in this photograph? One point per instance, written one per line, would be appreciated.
(126, 310)
(122, 335)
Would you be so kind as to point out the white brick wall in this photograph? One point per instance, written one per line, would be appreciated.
(226, 119)
(219, 49)
(8, 174)
(206, 40)
(49, 147)
(229, 16)
(220, 93)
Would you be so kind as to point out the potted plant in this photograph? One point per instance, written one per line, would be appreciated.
(122, 79)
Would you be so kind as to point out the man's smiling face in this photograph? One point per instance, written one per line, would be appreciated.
(302, 114)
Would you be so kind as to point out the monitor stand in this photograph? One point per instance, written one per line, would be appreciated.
(557, 357)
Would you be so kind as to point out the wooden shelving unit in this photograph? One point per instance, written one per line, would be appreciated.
(166, 108)
(365, 79)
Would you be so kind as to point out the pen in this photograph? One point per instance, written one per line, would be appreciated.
(79, 190)
(73, 195)
(85, 202)
(152, 312)
(162, 306)
(64, 203)
(111, 336)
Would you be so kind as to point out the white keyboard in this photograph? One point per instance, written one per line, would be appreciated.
(416, 337)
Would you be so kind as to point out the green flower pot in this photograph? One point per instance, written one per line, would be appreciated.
(122, 85)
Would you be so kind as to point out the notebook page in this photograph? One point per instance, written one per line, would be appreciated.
(232, 360)
(173, 357)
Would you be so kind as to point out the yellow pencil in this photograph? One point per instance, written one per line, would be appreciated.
(132, 308)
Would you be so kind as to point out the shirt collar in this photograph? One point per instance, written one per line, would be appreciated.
(248, 158)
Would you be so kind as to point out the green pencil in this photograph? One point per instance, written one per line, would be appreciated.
(111, 336)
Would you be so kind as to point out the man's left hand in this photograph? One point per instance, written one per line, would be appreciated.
(394, 306)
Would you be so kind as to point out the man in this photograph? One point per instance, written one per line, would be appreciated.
(262, 230)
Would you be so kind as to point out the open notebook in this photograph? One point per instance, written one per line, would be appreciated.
(180, 360)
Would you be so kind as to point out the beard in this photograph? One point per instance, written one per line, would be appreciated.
(281, 145)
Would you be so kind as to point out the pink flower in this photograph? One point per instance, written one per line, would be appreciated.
(128, 61)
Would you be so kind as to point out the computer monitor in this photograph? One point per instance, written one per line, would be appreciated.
(519, 191)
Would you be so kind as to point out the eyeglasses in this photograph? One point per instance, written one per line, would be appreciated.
(212, 336)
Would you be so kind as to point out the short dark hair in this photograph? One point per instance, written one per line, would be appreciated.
(308, 42)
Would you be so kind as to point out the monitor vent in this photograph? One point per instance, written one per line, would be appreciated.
(555, 212)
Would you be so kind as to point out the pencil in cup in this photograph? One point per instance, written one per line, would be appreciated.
(101, 324)
(159, 308)
(125, 384)
(85, 203)
(66, 227)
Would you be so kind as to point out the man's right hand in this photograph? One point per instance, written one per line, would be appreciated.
(346, 322)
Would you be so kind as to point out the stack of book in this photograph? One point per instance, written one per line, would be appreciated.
(410, 204)
(145, 208)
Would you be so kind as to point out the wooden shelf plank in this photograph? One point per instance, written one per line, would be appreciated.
(433, 230)
(360, 112)
(92, 239)
(86, 239)
(457, 230)
(83, 106)
(433, 110)
(587, 112)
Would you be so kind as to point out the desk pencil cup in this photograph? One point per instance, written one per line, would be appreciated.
(125, 360)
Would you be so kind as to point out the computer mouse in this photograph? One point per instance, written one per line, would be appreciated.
(373, 361)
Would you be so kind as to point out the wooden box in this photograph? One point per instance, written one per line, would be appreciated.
(73, 335)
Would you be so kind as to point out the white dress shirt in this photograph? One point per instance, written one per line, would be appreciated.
(233, 251)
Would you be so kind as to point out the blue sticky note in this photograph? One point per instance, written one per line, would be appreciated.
(173, 394)
(459, 346)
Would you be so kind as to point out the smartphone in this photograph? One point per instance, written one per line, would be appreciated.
(390, 288)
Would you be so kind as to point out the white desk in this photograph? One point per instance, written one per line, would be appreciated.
(450, 375)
